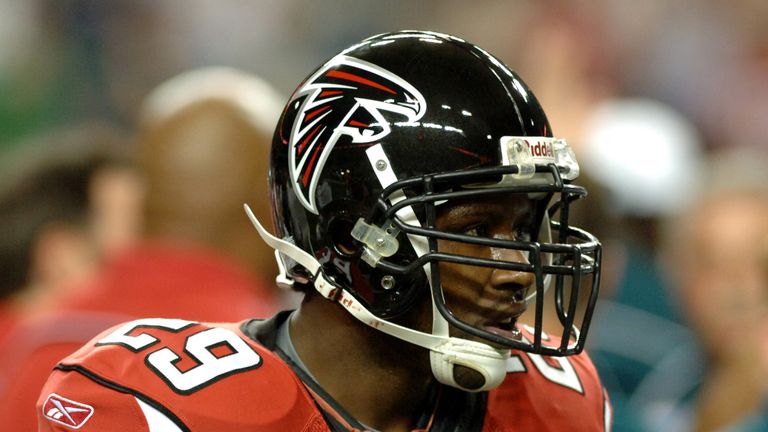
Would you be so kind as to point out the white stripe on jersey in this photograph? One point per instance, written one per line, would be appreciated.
(156, 420)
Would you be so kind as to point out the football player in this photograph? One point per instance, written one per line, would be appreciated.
(421, 205)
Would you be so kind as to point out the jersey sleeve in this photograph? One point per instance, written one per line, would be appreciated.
(174, 375)
(542, 393)
(72, 401)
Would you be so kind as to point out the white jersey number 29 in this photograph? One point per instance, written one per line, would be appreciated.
(209, 367)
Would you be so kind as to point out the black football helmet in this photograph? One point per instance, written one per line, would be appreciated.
(370, 146)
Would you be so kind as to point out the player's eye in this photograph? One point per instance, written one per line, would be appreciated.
(524, 232)
(477, 230)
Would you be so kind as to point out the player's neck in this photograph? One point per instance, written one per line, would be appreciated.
(376, 378)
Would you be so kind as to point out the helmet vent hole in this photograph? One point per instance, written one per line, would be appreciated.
(340, 230)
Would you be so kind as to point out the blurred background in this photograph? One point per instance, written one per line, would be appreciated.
(665, 103)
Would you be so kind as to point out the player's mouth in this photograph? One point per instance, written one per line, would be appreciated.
(507, 329)
(504, 323)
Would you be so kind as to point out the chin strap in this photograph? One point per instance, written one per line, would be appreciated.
(445, 351)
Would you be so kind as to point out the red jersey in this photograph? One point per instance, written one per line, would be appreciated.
(175, 375)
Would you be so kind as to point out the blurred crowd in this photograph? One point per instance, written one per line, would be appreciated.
(132, 131)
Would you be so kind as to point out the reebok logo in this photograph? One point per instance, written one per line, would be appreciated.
(66, 412)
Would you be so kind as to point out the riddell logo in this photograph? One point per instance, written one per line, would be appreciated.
(541, 149)
(66, 412)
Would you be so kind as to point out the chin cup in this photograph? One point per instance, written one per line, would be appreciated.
(468, 365)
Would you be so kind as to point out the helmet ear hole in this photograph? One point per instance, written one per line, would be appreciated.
(340, 230)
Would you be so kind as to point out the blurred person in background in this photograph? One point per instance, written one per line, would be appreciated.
(203, 146)
(69, 202)
(203, 152)
(718, 256)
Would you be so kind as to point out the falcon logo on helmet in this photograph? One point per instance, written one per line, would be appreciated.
(345, 97)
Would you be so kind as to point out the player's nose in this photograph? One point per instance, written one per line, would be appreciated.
(512, 279)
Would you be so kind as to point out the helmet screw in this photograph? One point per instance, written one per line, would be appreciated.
(381, 165)
(388, 282)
